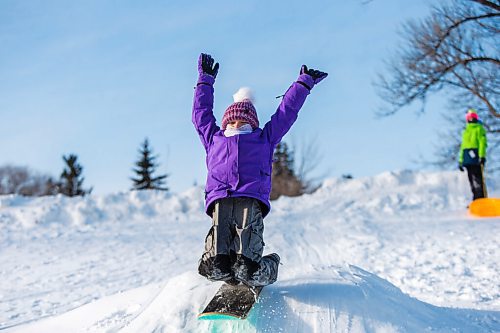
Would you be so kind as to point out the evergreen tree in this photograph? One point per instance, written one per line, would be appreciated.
(145, 168)
(71, 178)
(283, 161)
(284, 180)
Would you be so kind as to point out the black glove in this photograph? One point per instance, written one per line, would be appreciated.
(460, 167)
(206, 65)
(315, 74)
(482, 160)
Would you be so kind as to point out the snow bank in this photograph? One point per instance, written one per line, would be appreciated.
(401, 192)
(391, 193)
(22, 212)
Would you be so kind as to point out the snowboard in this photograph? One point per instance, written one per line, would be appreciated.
(231, 302)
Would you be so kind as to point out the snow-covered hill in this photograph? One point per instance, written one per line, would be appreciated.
(392, 253)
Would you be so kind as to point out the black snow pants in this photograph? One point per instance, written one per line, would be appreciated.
(476, 181)
(235, 243)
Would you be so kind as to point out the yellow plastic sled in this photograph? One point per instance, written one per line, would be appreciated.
(485, 207)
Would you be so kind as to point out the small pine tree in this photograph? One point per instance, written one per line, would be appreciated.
(284, 180)
(283, 161)
(71, 178)
(145, 168)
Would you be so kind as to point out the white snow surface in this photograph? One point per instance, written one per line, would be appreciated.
(396, 252)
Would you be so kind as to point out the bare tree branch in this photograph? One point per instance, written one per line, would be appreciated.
(454, 41)
(488, 3)
(455, 51)
(459, 23)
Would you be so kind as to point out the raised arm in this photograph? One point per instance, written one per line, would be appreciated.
(287, 112)
(203, 103)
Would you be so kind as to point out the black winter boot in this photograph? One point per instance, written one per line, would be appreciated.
(244, 268)
(216, 268)
(267, 272)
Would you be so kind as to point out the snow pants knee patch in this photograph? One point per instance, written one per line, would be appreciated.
(249, 239)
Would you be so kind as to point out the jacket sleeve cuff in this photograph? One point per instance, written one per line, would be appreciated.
(206, 79)
(306, 80)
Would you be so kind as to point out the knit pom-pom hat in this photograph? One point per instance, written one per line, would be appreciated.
(241, 109)
(471, 115)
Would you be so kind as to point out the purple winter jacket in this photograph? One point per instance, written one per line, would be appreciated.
(240, 165)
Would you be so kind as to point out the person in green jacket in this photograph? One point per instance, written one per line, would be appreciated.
(473, 153)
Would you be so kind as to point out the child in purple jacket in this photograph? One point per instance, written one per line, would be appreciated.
(239, 162)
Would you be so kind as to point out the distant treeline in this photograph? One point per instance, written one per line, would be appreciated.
(24, 181)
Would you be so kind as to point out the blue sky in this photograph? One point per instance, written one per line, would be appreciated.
(96, 77)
